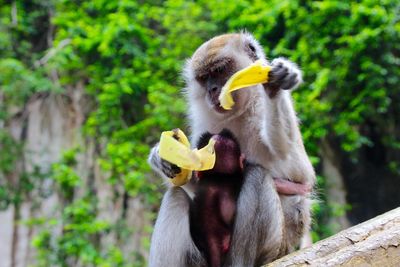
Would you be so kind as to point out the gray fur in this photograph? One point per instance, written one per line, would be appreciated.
(268, 225)
(258, 226)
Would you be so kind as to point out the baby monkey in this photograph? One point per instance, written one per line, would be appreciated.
(213, 209)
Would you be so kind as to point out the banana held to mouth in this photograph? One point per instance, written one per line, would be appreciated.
(174, 147)
(254, 74)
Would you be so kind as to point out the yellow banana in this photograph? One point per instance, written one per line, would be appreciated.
(178, 152)
(254, 74)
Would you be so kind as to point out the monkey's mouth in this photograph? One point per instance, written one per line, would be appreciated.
(216, 105)
(214, 101)
(218, 108)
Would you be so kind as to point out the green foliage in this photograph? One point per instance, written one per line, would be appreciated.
(15, 77)
(128, 55)
(13, 191)
(65, 176)
(7, 160)
(73, 236)
(77, 243)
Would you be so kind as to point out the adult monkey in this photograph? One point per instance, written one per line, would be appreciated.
(264, 122)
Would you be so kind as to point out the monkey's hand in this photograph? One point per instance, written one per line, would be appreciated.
(283, 75)
(162, 167)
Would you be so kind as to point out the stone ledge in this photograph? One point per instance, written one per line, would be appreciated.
(373, 243)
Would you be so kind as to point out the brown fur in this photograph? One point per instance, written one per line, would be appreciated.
(211, 51)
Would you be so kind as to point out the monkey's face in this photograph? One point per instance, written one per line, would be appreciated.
(213, 79)
(215, 62)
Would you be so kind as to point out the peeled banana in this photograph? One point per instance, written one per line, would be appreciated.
(254, 74)
(178, 152)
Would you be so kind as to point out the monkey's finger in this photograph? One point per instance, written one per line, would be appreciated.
(182, 178)
(290, 81)
(169, 169)
(278, 74)
(180, 136)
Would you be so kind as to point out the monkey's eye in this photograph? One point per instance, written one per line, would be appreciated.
(251, 51)
(202, 78)
(252, 48)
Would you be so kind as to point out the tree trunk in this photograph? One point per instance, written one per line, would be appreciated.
(334, 188)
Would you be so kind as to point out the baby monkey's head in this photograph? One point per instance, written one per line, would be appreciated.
(229, 159)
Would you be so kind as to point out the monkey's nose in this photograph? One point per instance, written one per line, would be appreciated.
(214, 89)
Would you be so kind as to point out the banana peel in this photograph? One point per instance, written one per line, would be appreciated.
(180, 154)
(254, 74)
(174, 147)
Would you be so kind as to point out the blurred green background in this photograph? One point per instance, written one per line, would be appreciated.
(86, 87)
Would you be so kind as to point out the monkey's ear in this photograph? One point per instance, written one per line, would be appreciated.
(203, 140)
(242, 161)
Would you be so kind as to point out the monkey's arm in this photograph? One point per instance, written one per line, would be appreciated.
(282, 136)
(259, 224)
(280, 130)
(280, 126)
(171, 242)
